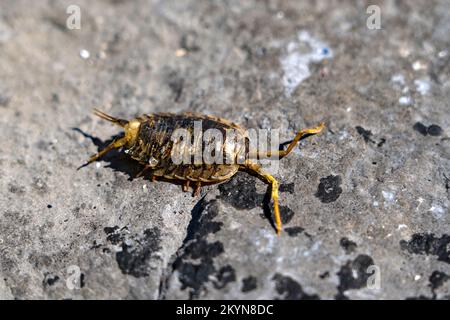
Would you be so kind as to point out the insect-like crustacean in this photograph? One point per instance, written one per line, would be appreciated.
(149, 140)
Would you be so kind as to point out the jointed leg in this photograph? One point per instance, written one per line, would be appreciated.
(274, 194)
(113, 145)
(197, 189)
(298, 136)
(186, 186)
(141, 173)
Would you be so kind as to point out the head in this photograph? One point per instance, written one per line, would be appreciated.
(131, 127)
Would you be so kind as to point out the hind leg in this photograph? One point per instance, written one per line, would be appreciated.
(283, 153)
(274, 193)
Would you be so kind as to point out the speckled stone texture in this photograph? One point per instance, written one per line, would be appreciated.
(365, 204)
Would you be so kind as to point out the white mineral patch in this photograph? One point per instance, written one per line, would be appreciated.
(422, 86)
(437, 211)
(405, 100)
(296, 63)
(388, 196)
(5, 32)
(398, 78)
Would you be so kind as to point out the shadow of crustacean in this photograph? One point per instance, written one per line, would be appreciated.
(116, 159)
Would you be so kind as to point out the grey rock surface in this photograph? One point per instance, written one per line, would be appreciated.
(366, 200)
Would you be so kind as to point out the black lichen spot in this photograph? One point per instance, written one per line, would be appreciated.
(248, 284)
(194, 276)
(426, 243)
(195, 264)
(421, 128)
(202, 249)
(348, 245)
(287, 187)
(329, 189)
(286, 214)
(290, 289)
(134, 258)
(437, 279)
(294, 231)
(225, 275)
(240, 192)
(366, 134)
(113, 235)
(434, 130)
(354, 275)
(50, 279)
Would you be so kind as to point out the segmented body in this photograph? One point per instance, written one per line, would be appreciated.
(154, 145)
(149, 139)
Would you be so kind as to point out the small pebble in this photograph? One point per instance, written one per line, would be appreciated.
(84, 54)
(419, 65)
(180, 52)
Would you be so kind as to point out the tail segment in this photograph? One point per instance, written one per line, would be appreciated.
(119, 122)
